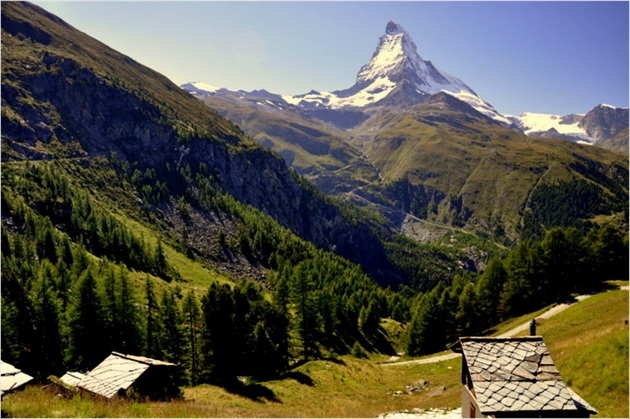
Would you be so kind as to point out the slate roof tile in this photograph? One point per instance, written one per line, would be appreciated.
(556, 404)
(518, 405)
(511, 386)
(503, 392)
(12, 378)
(508, 401)
(515, 374)
(117, 371)
(535, 404)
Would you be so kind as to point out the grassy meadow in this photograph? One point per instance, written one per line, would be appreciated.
(343, 387)
(588, 342)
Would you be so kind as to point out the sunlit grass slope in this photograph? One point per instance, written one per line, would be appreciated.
(588, 342)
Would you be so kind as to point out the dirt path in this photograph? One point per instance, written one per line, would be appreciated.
(512, 332)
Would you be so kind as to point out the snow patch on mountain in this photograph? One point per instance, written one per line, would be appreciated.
(568, 125)
(605, 105)
(376, 91)
(397, 57)
(480, 105)
(390, 55)
(204, 87)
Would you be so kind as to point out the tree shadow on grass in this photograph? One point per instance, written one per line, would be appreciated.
(253, 391)
(334, 360)
(300, 377)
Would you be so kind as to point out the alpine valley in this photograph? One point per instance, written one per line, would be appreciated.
(245, 234)
(422, 148)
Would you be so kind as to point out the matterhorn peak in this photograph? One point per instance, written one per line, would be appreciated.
(396, 75)
(396, 60)
(393, 27)
(395, 49)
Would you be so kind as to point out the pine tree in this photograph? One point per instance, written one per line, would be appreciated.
(489, 288)
(18, 334)
(369, 319)
(160, 266)
(218, 337)
(46, 245)
(263, 351)
(152, 327)
(63, 284)
(609, 253)
(65, 251)
(192, 329)
(277, 329)
(308, 319)
(426, 333)
(47, 325)
(467, 317)
(6, 243)
(87, 326)
(129, 319)
(171, 336)
(110, 306)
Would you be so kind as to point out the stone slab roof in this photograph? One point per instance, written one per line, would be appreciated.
(516, 374)
(116, 372)
(72, 378)
(12, 378)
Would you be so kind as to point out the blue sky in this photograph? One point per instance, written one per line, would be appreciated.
(544, 57)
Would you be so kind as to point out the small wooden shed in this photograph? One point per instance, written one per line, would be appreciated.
(131, 375)
(515, 377)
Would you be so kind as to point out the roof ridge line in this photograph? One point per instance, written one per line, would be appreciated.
(500, 339)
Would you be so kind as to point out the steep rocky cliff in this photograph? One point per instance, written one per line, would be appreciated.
(64, 95)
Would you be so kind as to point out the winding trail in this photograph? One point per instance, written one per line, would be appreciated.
(512, 332)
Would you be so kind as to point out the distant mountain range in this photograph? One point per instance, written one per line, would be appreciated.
(410, 140)
(604, 126)
(397, 76)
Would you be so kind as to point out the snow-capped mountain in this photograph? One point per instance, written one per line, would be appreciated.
(600, 124)
(552, 126)
(396, 75)
(396, 58)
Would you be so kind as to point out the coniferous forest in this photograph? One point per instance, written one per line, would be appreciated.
(78, 284)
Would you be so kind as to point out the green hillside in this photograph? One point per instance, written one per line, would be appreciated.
(472, 173)
(127, 205)
(313, 148)
(595, 366)
(444, 163)
(589, 344)
(65, 95)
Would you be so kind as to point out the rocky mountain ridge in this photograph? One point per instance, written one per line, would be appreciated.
(397, 76)
(65, 95)
(603, 126)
